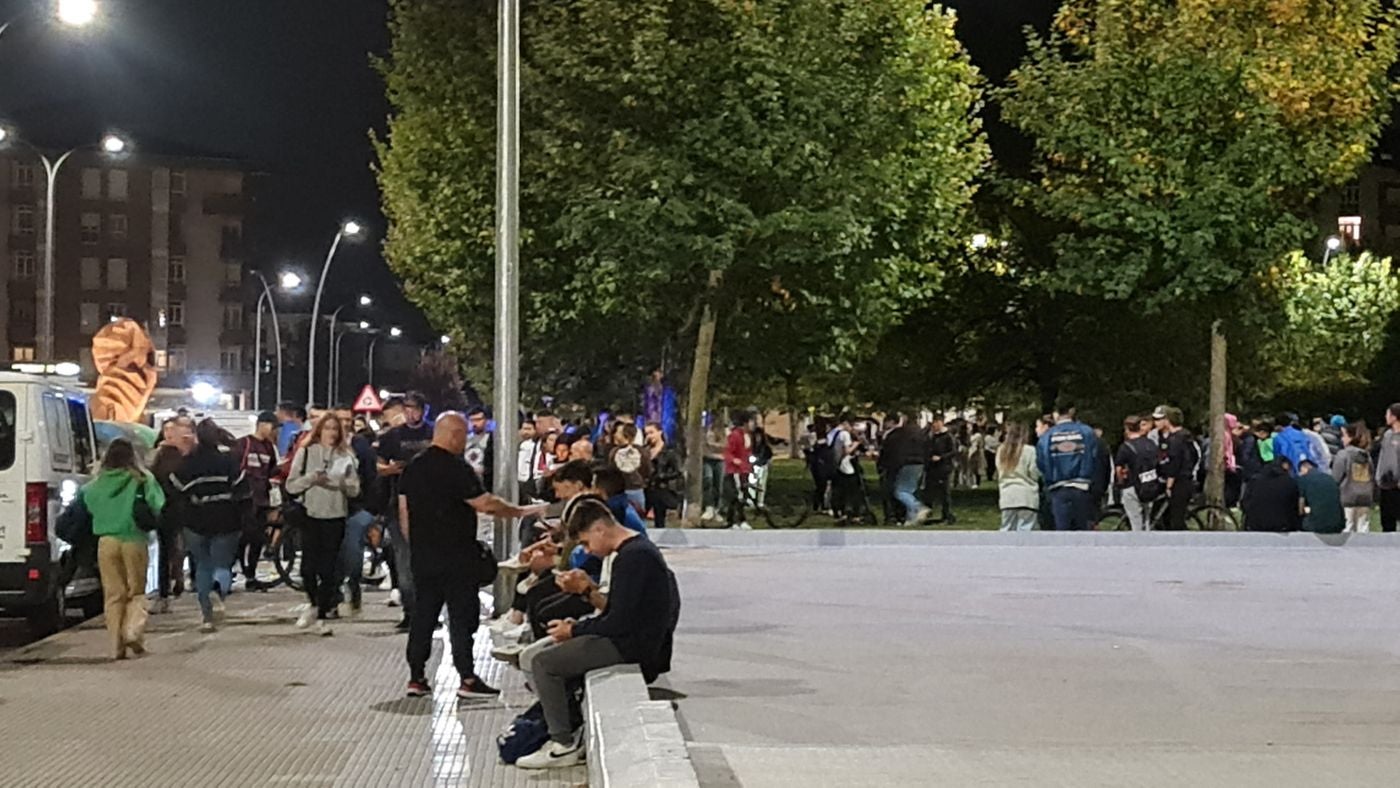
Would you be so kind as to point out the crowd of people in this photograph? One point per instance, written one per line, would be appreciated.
(595, 591)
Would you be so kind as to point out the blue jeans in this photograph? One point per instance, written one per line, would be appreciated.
(638, 500)
(906, 484)
(712, 482)
(352, 552)
(1071, 508)
(213, 566)
(403, 561)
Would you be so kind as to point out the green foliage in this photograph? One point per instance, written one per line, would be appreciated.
(1181, 144)
(1331, 322)
(816, 153)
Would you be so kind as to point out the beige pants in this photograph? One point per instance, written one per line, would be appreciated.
(1358, 519)
(123, 568)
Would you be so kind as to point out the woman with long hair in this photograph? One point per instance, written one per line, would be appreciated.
(1351, 467)
(1018, 480)
(207, 479)
(325, 473)
(122, 547)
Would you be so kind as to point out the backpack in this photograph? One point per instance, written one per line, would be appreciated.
(74, 524)
(1147, 482)
(525, 736)
(141, 512)
(628, 459)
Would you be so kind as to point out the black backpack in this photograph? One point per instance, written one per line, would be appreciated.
(1147, 481)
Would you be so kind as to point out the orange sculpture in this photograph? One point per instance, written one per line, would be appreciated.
(126, 374)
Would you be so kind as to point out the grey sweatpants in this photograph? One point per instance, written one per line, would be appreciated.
(555, 667)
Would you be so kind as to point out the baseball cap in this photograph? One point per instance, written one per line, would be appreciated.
(1339, 420)
(1160, 412)
(267, 417)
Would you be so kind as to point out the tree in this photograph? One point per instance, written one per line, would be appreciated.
(1181, 144)
(734, 177)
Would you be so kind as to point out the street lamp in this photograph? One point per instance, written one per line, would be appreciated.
(980, 241)
(445, 340)
(365, 300)
(1333, 245)
(289, 281)
(77, 13)
(333, 373)
(394, 332)
(349, 230)
(112, 144)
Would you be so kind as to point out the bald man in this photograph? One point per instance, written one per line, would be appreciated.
(439, 498)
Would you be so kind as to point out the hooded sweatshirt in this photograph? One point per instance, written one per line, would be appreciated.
(1351, 467)
(110, 498)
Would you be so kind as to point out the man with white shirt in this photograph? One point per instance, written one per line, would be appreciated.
(527, 462)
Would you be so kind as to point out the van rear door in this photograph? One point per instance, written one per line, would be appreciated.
(13, 546)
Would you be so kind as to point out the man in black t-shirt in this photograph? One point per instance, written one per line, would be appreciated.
(1135, 472)
(397, 448)
(439, 497)
(1179, 457)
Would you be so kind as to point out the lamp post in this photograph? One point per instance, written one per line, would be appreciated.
(288, 281)
(348, 230)
(394, 332)
(333, 373)
(507, 350)
(111, 144)
(1333, 245)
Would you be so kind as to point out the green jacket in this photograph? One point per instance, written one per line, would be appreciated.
(110, 497)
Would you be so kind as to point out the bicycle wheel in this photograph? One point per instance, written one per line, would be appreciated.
(287, 557)
(1210, 517)
(1113, 519)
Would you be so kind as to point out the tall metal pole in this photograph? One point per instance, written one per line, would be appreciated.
(507, 388)
(330, 362)
(46, 339)
(315, 315)
(372, 343)
(257, 356)
(276, 330)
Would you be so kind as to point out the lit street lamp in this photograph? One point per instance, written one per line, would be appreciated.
(289, 281)
(73, 13)
(112, 144)
(394, 332)
(445, 340)
(333, 371)
(1333, 245)
(349, 230)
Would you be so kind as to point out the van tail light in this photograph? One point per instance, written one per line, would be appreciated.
(36, 512)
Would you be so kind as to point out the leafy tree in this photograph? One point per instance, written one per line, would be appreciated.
(744, 179)
(1181, 144)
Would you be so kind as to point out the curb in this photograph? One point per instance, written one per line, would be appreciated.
(633, 741)
(852, 537)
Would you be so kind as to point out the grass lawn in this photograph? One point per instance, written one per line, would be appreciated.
(790, 491)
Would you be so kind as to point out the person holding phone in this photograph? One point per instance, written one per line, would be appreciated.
(325, 473)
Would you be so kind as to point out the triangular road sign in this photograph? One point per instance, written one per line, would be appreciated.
(368, 401)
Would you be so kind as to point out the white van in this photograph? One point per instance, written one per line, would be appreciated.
(47, 451)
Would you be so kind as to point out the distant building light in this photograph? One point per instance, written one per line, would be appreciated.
(1349, 227)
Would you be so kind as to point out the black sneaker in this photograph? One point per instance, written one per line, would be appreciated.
(402, 626)
(474, 687)
(418, 688)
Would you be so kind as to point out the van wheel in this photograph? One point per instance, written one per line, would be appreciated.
(49, 617)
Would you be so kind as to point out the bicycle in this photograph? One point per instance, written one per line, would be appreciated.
(864, 515)
(1200, 516)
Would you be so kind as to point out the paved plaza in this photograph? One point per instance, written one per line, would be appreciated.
(1044, 666)
(259, 703)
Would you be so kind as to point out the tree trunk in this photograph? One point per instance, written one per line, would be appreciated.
(793, 430)
(695, 401)
(1215, 479)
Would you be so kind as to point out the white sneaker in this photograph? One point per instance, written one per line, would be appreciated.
(307, 616)
(709, 514)
(323, 629)
(346, 610)
(395, 598)
(387, 584)
(217, 602)
(553, 755)
(744, 526)
(206, 627)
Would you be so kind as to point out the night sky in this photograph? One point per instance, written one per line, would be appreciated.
(286, 85)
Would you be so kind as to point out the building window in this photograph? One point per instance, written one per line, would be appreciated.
(162, 360)
(91, 273)
(91, 231)
(23, 264)
(115, 310)
(22, 220)
(116, 185)
(1351, 200)
(176, 274)
(233, 273)
(230, 242)
(177, 183)
(88, 315)
(116, 274)
(92, 183)
(177, 313)
(117, 226)
(175, 358)
(233, 316)
(22, 175)
(229, 359)
(22, 353)
(1349, 227)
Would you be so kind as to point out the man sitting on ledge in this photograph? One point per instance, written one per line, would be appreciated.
(637, 625)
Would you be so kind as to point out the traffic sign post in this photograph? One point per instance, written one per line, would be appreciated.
(368, 401)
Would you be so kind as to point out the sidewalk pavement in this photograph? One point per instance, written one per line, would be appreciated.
(257, 703)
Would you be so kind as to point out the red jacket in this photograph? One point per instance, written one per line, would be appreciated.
(736, 453)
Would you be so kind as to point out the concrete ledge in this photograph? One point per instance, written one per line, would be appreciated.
(874, 537)
(633, 741)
